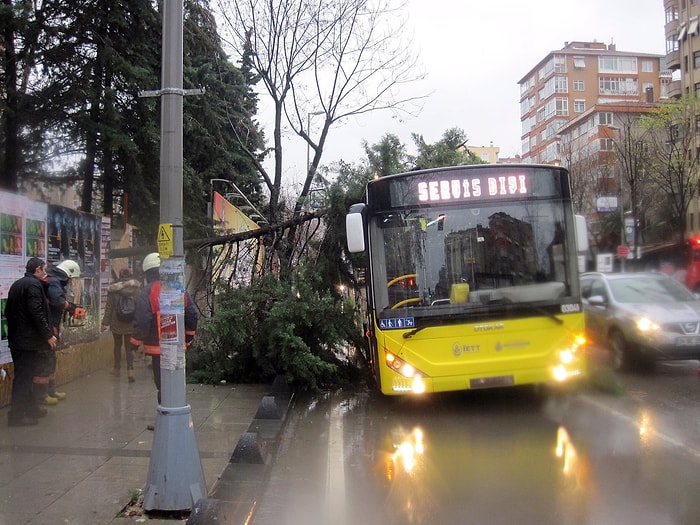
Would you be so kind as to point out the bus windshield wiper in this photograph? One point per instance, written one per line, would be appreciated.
(417, 329)
(546, 313)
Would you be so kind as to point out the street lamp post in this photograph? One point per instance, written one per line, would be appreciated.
(175, 476)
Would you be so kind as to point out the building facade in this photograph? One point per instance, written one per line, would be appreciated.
(682, 31)
(488, 154)
(568, 82)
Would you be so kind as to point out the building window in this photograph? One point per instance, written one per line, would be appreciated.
(647, 66)
(561, 84)
(671, 13)
(562, 105)
(618, 86)
(617, 64)
(579, 85)
(697, 90)
(606, 145)
(671, 45)
(579, 106)
(579, 63)
(605, 118)
(696, 59)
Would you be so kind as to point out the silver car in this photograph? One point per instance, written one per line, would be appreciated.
(641, 317)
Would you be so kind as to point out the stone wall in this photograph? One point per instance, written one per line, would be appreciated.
(73, 362)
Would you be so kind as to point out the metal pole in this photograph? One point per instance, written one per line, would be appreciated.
(175, 475)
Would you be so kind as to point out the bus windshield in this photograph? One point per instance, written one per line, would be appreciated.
(468, 257)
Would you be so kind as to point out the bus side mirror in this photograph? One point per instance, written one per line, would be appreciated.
(355, 230)
(581, 233)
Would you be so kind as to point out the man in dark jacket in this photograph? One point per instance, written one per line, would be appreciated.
(29, 336)
(147, 317)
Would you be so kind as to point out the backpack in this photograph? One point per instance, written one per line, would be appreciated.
(125, 307)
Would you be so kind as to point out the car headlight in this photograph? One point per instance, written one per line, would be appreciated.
(645, 324)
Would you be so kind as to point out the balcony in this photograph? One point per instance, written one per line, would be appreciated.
(673, 60)
(674, 89)
(671, 28)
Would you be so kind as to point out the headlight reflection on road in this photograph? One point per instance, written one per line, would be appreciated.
(406, 454)
(646, 427)
(566, 452)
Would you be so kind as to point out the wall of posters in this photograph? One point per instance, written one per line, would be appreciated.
(54, 233)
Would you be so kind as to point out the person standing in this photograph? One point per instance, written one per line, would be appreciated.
(29, 336)
(120, 308)
(58, 279)
(147, 318)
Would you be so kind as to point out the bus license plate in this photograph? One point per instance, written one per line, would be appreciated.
(491, 382)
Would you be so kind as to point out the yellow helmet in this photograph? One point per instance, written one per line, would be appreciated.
(152, 260)
(70, 268)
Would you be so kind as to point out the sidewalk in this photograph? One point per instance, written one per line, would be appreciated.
(83, 461)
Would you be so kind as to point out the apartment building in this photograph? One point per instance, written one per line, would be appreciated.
(568, 82)
(682, 31)
(488, 154)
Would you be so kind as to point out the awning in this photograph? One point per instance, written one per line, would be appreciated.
(681, 35)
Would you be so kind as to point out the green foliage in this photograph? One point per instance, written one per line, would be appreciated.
(388, 156)
(450, 150)
(72, 111)
(294, 328)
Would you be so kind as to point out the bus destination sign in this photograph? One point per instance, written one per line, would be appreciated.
(468, 188)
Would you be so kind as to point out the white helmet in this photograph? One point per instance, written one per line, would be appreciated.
(152, 260)
(70, 268)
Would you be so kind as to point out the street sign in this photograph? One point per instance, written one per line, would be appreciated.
(606, 204)
(623, 251)
(165, 241)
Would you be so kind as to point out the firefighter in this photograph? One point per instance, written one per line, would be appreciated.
(147, 317)
(58, 279)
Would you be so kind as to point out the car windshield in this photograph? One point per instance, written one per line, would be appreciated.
(637, 289)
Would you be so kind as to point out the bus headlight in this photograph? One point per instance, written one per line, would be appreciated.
(567, 366)
(401, 367)
(566, 356)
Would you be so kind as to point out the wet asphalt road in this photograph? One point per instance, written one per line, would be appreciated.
(494, 457)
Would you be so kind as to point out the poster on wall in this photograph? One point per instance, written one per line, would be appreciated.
(22, 235)
(53, 233)
(76, 236)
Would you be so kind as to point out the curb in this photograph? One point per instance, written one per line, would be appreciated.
(234, 495)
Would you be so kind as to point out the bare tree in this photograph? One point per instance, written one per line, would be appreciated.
(328, 58)
(673, 159)
(592, 176)
(630, 145)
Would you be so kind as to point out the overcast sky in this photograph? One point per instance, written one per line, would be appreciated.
(474, 53)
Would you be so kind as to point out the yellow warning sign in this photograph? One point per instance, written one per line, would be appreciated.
(165, 240)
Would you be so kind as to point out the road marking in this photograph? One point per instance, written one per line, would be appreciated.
(651, 431)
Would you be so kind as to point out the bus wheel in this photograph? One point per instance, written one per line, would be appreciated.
(619, 353)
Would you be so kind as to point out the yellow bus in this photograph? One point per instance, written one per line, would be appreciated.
(472, 278)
